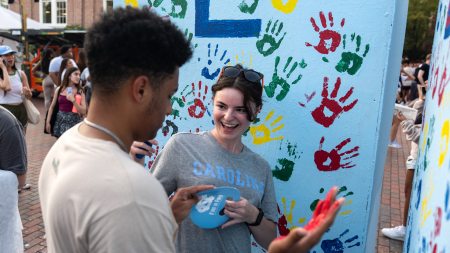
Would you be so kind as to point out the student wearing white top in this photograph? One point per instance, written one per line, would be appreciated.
(13, 85)
(55, 64)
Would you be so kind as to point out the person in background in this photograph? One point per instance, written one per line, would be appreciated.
(66, 63)
(13, 165)
(412, 132)
(71, 104)
(41, 69)
(55, 64)
(13, 85)
(82, 63)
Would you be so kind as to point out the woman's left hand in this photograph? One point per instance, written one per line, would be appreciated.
(240, 211)
(26, 92)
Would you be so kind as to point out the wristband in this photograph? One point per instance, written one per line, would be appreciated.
(258, 219)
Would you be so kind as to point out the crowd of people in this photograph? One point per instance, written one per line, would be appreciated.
(95, 194)
(413, 85)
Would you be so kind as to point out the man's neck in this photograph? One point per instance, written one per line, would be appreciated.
(110, 117)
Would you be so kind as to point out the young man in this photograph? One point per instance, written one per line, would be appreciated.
(94, 197)
(55, 63)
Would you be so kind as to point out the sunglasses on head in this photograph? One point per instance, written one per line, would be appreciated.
(249, 74)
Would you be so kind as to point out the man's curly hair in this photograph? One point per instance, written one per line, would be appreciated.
(131, 42)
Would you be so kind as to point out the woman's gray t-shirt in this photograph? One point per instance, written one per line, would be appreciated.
(195, 159)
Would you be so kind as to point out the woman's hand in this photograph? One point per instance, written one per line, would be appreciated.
(70, 97)
(26, 92)
(48, 127)
(240, 211)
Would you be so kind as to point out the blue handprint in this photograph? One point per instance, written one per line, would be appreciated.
(447, 207)
(418, 192)
(223, 60)
(337, 246)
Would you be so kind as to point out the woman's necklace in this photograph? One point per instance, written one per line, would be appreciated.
(108, 132)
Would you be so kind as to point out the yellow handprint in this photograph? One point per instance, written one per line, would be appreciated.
(133, 3)
(425, 211)
(444, 143)
(242, 59)
(261, 133)
(288, 213)
(286, 8)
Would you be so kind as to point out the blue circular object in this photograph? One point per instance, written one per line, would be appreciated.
(208, 212)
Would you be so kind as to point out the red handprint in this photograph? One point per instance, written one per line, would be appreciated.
(337, 108)
(443, 82)
(198, 108)
(153, 157)
(324, 46)
(282, 223)
(331, 161)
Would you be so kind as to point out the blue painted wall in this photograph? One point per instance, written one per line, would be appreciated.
(331, 70)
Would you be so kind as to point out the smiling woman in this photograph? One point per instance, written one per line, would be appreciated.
(218, 157)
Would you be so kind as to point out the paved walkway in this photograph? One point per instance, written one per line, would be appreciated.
(39, 143)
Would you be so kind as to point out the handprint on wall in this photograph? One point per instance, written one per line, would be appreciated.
(132, 3)
(331, 107)
(342, 192)
(334, 159)
(271, 39)
(215, 62)
(167, 126)
(248, 8)
(285, 78)
(189, 37)
(198, 106)
(262, 133)
(329, 39)
(444, 143)
(339, 244)
(175, 9)
(351, 61)
(285, 166)
(244, 59)
(284, 6)
(286, 217)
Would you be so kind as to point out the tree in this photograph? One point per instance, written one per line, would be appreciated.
(420, 28)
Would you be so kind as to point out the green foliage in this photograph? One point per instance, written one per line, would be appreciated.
(420, 28)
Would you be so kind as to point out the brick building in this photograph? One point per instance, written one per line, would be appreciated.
(62, 13)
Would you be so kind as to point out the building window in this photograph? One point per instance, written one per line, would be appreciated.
(4, 4)
(53, 12)
(108, 6)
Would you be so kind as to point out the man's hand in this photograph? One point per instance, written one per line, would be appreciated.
(184, 199)
(303, 239)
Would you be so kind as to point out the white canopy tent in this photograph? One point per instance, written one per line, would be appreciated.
(9, 20)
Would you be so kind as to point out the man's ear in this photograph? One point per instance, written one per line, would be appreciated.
(141, 88)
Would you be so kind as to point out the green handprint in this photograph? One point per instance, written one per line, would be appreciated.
(283, 81)
(269, 39)
(345, 193)
(189, 37)
(250, 9)
(177, 10)
(284, 172)
(350, 61)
